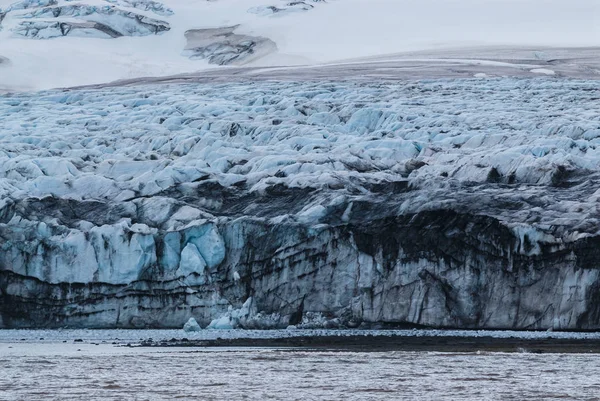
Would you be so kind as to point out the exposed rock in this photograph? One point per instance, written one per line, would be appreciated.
(222, 46)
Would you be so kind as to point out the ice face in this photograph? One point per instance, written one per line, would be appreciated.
(145, 5)
(438, 202)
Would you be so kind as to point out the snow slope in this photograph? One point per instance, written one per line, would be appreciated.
(328, 31)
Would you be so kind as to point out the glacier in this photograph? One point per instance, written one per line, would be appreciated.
(446, 203)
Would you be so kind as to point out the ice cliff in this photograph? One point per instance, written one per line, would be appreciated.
(443, 203)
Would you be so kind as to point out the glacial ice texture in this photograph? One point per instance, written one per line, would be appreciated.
(283, 374)
(46, 19)
(442, 203)
(285, 7)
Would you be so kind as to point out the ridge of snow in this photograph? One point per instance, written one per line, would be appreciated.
(329, 31)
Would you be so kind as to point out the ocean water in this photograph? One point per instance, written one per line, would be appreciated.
(85, 369)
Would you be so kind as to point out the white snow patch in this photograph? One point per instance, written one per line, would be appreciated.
(543, 71)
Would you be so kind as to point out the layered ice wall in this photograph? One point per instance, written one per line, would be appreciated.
(443, 203)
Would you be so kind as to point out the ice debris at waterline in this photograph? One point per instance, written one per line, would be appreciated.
(465, 204)
(234, 318)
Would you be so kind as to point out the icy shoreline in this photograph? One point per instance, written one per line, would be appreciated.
(121, 337)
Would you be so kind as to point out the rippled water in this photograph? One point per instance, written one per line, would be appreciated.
(32, 371)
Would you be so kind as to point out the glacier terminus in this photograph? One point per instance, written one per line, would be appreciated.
(443, 202)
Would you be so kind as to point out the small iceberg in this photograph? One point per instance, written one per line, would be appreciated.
(191, 325)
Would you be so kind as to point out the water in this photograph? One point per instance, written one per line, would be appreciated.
(85, 371)
(97, 365)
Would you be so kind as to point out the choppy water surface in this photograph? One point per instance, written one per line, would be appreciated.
(74, 371)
